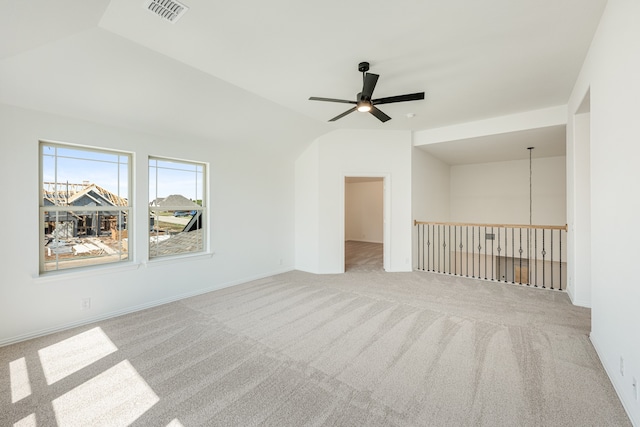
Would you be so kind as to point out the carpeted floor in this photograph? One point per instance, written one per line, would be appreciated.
(363, 256)
(365, 348)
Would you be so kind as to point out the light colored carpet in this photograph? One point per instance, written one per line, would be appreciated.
(363, 256)
(365, 348)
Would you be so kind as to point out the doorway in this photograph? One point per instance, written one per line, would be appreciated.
(364, 219)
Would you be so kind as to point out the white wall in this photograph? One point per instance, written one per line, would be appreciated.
(251, 217)
(499, 192)
(431, 179)
(535, 119)
(307, 199)
(579, 185)
(345, 153)
(431, 187)
(364, 211)
(610, 73)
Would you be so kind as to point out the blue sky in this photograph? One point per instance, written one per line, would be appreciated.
(111, 171)
(174, 178)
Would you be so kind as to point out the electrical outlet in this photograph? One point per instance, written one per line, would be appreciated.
(621, 366)
(86, 303)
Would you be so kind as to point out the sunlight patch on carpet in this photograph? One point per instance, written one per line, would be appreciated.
(69, 356)
(28, 421)
(19, 377)
(118, 396)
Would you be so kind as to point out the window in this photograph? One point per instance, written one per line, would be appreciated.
(84, 208)
(176, 207)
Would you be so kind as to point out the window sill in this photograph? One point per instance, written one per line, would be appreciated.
(155, 262)
(56, 276)
(60, 275)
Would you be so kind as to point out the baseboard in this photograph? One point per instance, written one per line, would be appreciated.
(627, 402)
(581, 303)
(363, 241)
(133, 309)
(571, 294)
(578, 302)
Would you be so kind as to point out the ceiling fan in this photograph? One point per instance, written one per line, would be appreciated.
(364, 103)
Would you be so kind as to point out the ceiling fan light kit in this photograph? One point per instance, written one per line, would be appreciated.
(364, 106)
(364, 102)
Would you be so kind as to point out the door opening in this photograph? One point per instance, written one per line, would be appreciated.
(364, 229)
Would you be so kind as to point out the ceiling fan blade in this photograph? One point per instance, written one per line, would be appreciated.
(369, 85)
(343, 101)
(379, 114)
(339, 116)
(400, 98)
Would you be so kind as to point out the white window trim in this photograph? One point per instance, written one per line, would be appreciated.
(205, 253)
(98, 267)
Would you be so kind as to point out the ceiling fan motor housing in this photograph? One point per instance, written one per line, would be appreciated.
(360, 97)
(363, 67)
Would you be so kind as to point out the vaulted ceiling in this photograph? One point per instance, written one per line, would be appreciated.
(226, 64)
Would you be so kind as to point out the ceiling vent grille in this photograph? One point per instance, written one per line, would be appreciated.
(170, 10)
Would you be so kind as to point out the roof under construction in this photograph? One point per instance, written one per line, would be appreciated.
(65, 194)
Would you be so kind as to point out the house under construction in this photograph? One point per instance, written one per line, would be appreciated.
(91, 222)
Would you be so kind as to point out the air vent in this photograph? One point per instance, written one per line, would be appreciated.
(170, 10)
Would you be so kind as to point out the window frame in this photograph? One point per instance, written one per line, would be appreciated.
(152, 255)
(126, 216)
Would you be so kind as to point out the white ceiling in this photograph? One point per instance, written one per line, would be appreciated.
(114, 61)
(546, 142)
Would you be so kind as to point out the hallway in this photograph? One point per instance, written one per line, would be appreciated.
(363, 256)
